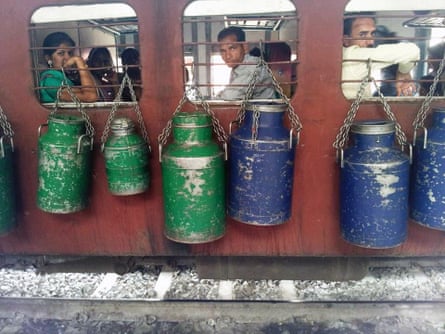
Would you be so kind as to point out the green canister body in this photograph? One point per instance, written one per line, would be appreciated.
(126, 159)
(64, 165)
(7, 193)
(193, 181)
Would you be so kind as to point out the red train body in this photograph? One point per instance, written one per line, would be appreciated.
(134, 225)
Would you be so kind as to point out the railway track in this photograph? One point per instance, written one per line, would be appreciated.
(394, 297)
(62, 315)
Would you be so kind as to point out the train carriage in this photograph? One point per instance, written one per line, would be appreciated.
(177, 44)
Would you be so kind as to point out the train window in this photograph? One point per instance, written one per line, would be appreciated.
(271, 30)
(104, 36)
(396, 22)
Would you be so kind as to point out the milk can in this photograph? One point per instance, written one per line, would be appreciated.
(193, 181)
(7, 193)
(427, 202)
(261, 166)
(126, 159)
(374, 187)
(64, 168)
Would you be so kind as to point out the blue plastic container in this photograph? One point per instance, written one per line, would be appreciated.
(427, 203)
(374, 187)
(261, 167)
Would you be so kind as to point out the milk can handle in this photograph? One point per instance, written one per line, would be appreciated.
(2, 147)
(79, 142)
(425, 136)
(230, 126)
(39, 130)
(291, 136)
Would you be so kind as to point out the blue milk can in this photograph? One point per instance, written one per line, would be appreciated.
(374, 187)
(427, 203)
(261, 167)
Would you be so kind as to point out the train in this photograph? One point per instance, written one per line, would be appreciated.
(176, 40)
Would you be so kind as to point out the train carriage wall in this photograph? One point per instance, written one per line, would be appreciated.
(133, 225)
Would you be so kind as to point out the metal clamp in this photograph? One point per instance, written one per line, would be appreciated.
(39, 130)
(2, 147)
(79, 143)
(425, 136)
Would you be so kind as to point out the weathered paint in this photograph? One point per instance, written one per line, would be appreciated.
(193, 182)
(126, 159)
(261, 169)
(374, 188)
(7, 192)
(64, 169)
(134, 225)
(427, 202)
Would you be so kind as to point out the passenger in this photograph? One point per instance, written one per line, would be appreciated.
(358, 44)
(234, 52)
(388, 74)
(58, 54)
(101, 66)
(435, 55)
(130, 60)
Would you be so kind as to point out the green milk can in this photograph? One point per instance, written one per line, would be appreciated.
(64, 164)
(193, 181)
(126, 159)
(7, 193)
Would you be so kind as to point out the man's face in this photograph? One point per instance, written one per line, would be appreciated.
(362, 33)
(232, 52)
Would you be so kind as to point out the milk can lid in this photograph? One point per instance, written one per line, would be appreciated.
(66, 118)
(373, 127)
(196, 118)
(267, 106)
(122, 124)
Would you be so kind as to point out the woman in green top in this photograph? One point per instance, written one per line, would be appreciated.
(58, 52)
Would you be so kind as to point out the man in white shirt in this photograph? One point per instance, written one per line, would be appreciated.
(234, 51)
(358, 49)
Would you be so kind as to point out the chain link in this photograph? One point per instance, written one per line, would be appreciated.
(293, 117)
(126, 81)
(342, 135)
(400, 135)
(249, 92)
(5, 124)
(419, 120)
(75, 99)
(219, 130)
(165, 133)
(256, 121)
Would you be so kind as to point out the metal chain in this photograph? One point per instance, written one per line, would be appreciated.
(126, 81)
(165, 133)
(219, 130)
(293, 117)
(64, 85)
(249, 92)
(400, 135)
(342, 135)
(255, 123)
(419, 120)
(5, 124)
